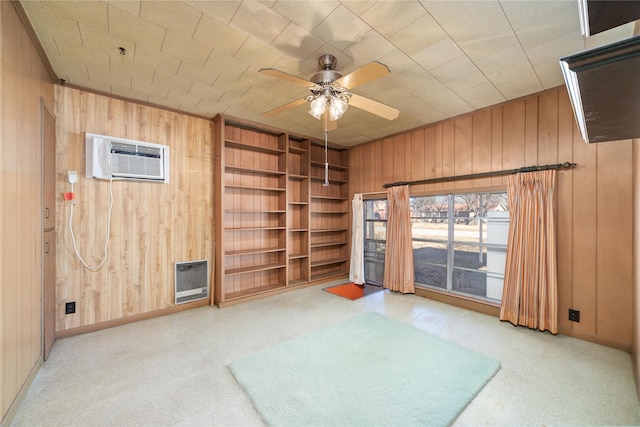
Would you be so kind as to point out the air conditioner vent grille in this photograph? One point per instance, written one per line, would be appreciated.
(135, 166)
(134, 150)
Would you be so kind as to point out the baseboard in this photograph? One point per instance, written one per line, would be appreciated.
(458, 301)
(13, 409)
(131, 319)
(596, 339)
(281, 290)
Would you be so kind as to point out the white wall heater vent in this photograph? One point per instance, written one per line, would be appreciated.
(192, 281)
(109, 157)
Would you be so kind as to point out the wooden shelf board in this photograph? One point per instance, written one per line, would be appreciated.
(297, 150)
(322, 245)
(253, 291)
(245, 146)
(323, 262)
(328, 230)
(297, 282)
(229, 168)
(331, 166)
(254, 251)
(298, 230)
(335, 181)
(298, 203)
(297, 177)
(245, 187)
(329, 212)
(253, 228)
(253, 269)
(328, 198)
(327, 275)
(254, 211)
(298, 256)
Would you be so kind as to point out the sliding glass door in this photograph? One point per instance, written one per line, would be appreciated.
(459, 242)
(375, 239)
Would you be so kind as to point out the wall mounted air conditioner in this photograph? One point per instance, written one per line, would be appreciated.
(109, 157)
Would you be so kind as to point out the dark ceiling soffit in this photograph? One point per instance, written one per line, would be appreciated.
(601, 15)
(604, 89)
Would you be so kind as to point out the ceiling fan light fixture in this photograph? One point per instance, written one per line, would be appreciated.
(337, 107)
(318, 106)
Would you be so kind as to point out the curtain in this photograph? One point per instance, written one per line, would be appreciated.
(398, 260)
(530, 294)
(356, 272)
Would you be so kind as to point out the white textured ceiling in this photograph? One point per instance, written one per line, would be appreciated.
(202, 57)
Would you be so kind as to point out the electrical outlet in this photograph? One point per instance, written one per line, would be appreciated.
(70, 307)
(73, 177)
(574, 315)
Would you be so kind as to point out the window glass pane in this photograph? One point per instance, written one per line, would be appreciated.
(470, 282)
(375, 238)
(430, 218)
(430, 263)
(376, 209)
(469, 270)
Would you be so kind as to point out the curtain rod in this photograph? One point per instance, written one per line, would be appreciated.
(565, 165)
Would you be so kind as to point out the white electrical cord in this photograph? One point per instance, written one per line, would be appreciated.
(106, 243)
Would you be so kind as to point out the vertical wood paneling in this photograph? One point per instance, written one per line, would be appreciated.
(547, 128)
(399, 165)
(429, 154)
(388, 160)
(448, 152)
(496, 145)
(584, 249)
(481, 161)
(438, 158)
(531, 131)
(614, 237)
(565, 211)
(12, 319)
(513, 135)
(594, 271)
(463, 149)
(23, 81)
(417, 159)
(152, 225)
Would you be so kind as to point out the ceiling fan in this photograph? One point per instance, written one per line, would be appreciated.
(330, 96)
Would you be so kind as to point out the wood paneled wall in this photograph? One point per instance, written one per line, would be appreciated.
(635, 348)
(595, 200)
(23, 81)
(152, 225)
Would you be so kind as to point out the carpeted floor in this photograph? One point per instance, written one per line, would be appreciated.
(367, 370)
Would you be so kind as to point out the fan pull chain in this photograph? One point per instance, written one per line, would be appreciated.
(326, 159)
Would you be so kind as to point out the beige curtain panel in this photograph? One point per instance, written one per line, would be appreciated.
(398, 261)
(530, 293)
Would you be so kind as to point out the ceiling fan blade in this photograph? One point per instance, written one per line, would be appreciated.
(372, 71)
(285, 76)
(284, 107)
(327, 124)
(373, 107)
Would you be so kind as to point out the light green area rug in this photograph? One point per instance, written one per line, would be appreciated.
(368, 370)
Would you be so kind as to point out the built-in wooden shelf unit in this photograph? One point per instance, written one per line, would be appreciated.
(277, 226)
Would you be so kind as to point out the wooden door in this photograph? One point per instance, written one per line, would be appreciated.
(49, 299)
(48, 223)
(48, 169)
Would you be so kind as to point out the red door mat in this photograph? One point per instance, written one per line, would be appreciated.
(348, 290)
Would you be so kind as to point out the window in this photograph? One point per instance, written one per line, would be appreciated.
(459, 242)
